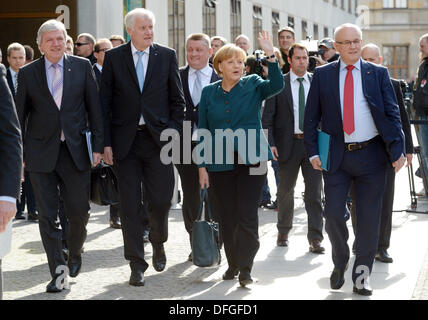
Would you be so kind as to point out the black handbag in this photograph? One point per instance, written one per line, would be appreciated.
(104, 189)
(205, 237)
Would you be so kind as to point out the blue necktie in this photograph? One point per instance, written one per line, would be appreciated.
(140, 70)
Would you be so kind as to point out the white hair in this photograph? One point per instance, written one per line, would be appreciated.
(50, 25)
(138, 12)
(424, 37)
(347, 25)
(372, 46)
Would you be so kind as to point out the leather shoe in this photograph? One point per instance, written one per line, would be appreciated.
(53, 288)
(315, 247)
(159, 258)
(282, 240)
(19, 216)
(366, 290)
(137, 278)
(245, 278)
(115, 223)
(230, 273)
(32, 216)
(74, 265)
(383, 256)
(337, 278)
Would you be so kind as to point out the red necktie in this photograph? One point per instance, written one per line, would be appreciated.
(348, 103)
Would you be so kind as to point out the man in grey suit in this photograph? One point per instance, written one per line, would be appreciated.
(10, 166)
(283, 117)
(57, 98)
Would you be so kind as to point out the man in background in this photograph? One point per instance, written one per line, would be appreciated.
(85, 47)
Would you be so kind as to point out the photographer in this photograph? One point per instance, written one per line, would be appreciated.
(327, 52)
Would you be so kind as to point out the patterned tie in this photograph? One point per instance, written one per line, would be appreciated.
(15, 87)
(348, 103)
(57, 87)
(140, 70)
(302, 103)
(197, 89)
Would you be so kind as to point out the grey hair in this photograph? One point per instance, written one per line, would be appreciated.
(424, 37)
(50, 25)
(242, 36)
(347, 25)
(372, 46)
(140, 12)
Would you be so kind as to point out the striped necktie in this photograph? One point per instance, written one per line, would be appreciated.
(15, 87)
(197, 89)
(57, 88)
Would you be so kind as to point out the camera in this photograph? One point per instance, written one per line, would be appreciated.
(314, 51)
(256, 63)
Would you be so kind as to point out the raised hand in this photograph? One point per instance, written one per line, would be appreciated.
(266, 42)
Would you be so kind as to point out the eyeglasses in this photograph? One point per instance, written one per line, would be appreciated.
(348, 43)
(103, 50)
(79, 44)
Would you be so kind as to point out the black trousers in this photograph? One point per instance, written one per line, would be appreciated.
(238, 195)
(142, 166)
(27, 196)
(288, 173)
(74, 189)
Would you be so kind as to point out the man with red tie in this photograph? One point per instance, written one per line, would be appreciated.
(354, 102)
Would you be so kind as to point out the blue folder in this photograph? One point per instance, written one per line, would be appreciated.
(324, 142)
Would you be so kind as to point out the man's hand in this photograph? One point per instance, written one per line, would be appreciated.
(275, 153)
(409, 158)
(7, 212)
(23, 172)
(399, 164)
(96, 156)
(108, 155)
(320, 61)
(204, 180)
(316, 164)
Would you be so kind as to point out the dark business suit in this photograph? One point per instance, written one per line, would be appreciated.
(10, 147)
(189, 174)
(53, 163)
(365, 167)
(279, 119)
(136, 149)
(27, 194)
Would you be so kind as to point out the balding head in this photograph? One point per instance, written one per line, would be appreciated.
(371, 53)
(347, 41)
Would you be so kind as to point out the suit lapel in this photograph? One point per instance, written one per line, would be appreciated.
(67, 79)
(153, 60)
(367, 78)
(127, 53)
(214, 76)
(186, 85)
(42, 79)
(336, 91)
(289, 93)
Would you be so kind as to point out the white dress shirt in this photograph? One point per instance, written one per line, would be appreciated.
(204, 75)
(145, 61)
(295, 90)
(13, 74)
(100, 68)
(365, 128)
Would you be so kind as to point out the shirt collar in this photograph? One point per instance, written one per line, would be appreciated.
(49, 64)
(343, 66)
(294, 77)
(99, 67)
(134, 50)
(12, 72)
(205, 71)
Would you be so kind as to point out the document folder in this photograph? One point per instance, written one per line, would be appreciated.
(324, 141)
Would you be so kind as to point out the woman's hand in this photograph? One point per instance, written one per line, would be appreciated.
(266, 43)
(204, 180)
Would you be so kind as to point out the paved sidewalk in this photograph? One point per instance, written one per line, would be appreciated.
(281, 273)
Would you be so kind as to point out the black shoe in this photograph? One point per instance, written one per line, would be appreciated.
(383, 256)
(137, 278)
(33, 216)
(273, 206)
(19, 216)
(315, 247)
(115, 223)
(159, 258)
(53, 288)
(65, 253)
(337, 278)
(74, 266)
(264, 203)
(245, 278)
(230, 273)
(365, 291)
(146, 236)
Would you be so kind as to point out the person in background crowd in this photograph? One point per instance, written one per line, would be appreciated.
(364, 142)
(85, 47)
(100, 49)
(234, 103)
(330, 53)
(29, 54)
(286, 38)
(69, 46)
(57, 98)
(243, 42)
(117, 40)
(1, 56)
(216, 43)
(10, 166)
(283, 118)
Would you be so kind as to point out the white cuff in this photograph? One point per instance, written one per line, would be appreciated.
(8, 199)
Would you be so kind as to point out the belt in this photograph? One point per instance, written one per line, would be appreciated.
(355, 146)
(141, 127)
(298, 136)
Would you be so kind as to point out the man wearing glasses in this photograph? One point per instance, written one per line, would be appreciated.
(85, 47)
(100, 48)
(356, 105)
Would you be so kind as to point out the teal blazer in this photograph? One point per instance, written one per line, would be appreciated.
(238, 111)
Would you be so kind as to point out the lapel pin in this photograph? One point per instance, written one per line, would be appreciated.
(69, 70)
(368, 72)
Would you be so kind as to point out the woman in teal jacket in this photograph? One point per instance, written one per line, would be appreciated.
(231, 144)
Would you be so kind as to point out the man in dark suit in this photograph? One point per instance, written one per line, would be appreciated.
(194, 77)
(354, 102)
(142, 96)
(84, 47)
(57, 97)
(283, 117)
(16, 57)
(10, 166)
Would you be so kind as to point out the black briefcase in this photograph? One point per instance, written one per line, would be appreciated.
(104, 188)
(205, 237)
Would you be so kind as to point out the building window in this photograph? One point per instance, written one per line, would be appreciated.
(325, 32)
(276, 25)
(316, 32)
(304, 30)
(393, 4)
(235, 19)
(396, 59)
(342, 5)
(350, 6)
(257, 25)
(209, 18)
(129, 5)
(291, 22)
(176, 31)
